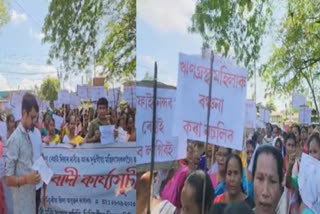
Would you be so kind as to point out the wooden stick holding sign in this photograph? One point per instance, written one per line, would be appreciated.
(207, 137)
(154, 113)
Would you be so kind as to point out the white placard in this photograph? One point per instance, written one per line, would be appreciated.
(57, 104)
(3, 129)
(75, 101)
(45, 172)
(227, 102)
(107, 134)
(251, 114)
(264, 115)
(64, 97)
(97, 92)
(82, 92)
(298, 100)
(308, 181)
(166, 146)
(114, 97)
(129, 95)
(16, 111)
(16, 99)
(122, 135)
(305, 115)
(58, 121)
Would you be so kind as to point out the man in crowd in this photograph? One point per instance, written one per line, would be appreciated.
(18, 171)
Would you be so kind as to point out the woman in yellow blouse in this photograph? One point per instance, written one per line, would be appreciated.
(69, 136)
(51, 136)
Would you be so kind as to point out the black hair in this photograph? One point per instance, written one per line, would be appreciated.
(290, 135)
(102, 101)
(305, 128)
(296, 126)
(270, 126)
(278, 140)
(44, 116)
(238, 159)
(196, 179)
(217, 208)
(252, 143)
(228, 149)
(10, 116)
(238, 207)
(28, 102)
(267, 149)
(315, 137)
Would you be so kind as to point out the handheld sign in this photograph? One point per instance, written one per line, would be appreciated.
(107, 135)
(298, 100)
(58, 121)
(64, 97)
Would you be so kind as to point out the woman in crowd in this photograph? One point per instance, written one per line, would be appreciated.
(313, 148)
(131, 129)
(267, 179)
(11, 126)
(192, 193)
(234, 178)
(157, 205)
(277, 142)
(304, 138)
(45, 127)
(268, 138)
(172, 190)
(296, 130)
(51, 137)
(84, 119)
(71, 137)
(218, 177)
(290, 150)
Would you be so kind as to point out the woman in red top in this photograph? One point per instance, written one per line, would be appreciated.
(234, 191)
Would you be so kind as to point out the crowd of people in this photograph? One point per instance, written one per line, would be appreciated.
(262, 179)
(24, 140)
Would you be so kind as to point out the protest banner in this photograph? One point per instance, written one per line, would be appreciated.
(57, 104)
(82, 92)
(129, 95)
(64, 97)
(305, 115)
(166, 147)
(298, 100)
(227, 102)
(16, 99)
(251, 114)
(58, 121)
(114, 97)
(308, 180)
(107, 134)
(93, 178)
(264, 115)
(17, 112)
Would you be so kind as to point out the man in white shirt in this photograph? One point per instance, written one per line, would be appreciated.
(35, 137)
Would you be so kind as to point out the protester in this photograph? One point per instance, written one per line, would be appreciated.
(192, 193)
(277, 142)
(19, 174)
(267, 179)
(157, 205)
(45, 126)
(51, 136)
(11, 126)
(131, 129)
(268, 138)
(234, 187)
(218, 177)
(35, 137)
(304, 138)
(71, 138)
(93, 135)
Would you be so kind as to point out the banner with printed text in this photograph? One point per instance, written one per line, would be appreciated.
(91, 179)
(227, 103)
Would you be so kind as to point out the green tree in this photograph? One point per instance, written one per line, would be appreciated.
(87, 33)
(147, 76)
(233, 27)
(4, 16)
(49, 89)
(271, 105)
(294, 63)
